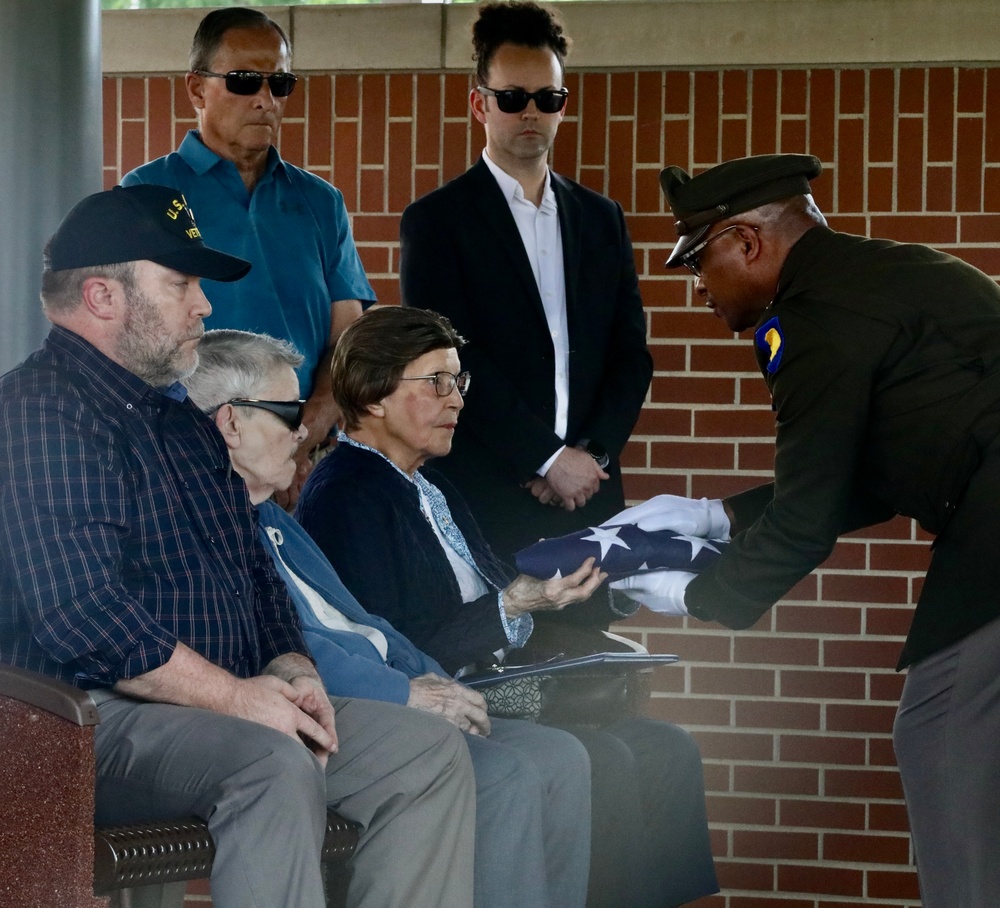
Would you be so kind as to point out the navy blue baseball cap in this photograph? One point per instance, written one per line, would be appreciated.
(137, 223)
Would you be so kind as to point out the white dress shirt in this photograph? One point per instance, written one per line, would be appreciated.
(542, 239)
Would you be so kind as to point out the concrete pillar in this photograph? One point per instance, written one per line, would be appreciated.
(51, 146)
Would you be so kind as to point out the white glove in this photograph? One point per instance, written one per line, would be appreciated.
(702, 517)
(659, 591)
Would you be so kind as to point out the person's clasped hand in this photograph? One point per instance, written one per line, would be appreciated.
(574, 477)
(704, 517)
(529, 594)
(659, 591)
(459, 704)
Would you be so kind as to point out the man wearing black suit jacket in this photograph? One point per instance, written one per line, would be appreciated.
(537, 273)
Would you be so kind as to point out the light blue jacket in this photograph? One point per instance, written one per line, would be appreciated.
(348, 663)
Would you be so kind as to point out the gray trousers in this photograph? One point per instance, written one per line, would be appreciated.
(947, 740)
(532, 817)
(404, 776)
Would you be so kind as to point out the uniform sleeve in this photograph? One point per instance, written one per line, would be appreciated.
(821, 392)
(63, 521)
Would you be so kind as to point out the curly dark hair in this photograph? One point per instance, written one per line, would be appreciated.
(515, 22)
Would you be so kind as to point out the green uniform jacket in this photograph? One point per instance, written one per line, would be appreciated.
(883, 362)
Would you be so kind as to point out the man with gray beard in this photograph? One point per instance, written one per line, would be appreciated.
(130, 567)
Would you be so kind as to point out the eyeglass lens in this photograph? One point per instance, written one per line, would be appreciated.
(288, 411)
(245, 82)
(446, 382)
(693, 265)
(514, 100)
(693, 259)
(248, 82)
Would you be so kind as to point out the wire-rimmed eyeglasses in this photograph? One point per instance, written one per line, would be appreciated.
(692, 260)
(445, 382)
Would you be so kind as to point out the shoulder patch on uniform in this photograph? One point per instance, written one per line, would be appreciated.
(770, 338)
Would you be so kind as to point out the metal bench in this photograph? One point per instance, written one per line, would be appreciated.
(50, 851)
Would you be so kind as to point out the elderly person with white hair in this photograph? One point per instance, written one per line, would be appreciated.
(532, 782)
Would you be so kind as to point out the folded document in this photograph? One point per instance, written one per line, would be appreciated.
(497, 673)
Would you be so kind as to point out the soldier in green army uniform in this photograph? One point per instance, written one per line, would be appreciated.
(883, 362)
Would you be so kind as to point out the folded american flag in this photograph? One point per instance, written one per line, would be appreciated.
(620, 552)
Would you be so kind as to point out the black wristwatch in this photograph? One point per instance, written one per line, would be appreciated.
(600, 456)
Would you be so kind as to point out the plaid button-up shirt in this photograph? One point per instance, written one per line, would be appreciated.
(123, 528)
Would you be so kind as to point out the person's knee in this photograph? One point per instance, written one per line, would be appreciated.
(497, 766)
(291, 778)
(450, 747)
(651, 739)
(611, 756)
(680, 745)
(564, 762)
(574, 758)
(443, 751)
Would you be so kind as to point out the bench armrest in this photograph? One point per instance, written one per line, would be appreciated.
(47, 693)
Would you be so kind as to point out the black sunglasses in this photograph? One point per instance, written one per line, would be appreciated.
(514, 100)
(248, 82)
(288, 411)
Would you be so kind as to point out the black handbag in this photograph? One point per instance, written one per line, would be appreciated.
(570, 676)
(595, 697)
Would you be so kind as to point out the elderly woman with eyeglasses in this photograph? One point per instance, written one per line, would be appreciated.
(424, 565)
(532, 783)
(405, 544)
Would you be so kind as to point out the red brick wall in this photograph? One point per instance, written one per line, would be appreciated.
(794, 717)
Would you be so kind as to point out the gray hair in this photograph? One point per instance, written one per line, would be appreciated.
(62, 290)
(236, 364)
(212, 30)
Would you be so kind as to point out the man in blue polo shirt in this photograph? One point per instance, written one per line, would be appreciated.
(307, 283)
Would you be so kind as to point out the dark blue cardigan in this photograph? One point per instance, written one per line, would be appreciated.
(366, 517)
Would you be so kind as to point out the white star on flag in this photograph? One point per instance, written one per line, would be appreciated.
(697, 544)
(624, 550)
(605, 537)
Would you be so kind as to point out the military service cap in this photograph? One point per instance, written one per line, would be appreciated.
(728, 189)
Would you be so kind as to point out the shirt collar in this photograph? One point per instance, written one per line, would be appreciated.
(512, 190)
(175, 391)
(201, 159)
(117, 380)
(416, 479)
(344, 437)
(798, 254)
